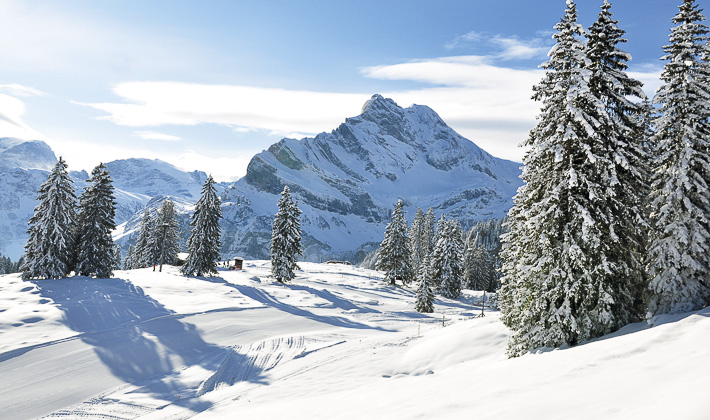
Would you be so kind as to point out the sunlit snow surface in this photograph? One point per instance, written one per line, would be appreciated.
(337, 343)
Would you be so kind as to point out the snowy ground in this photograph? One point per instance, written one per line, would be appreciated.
(337, 343)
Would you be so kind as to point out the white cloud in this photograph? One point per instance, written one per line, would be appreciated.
(19, 90)
(503, 48)
(152, 135)
(464, 40)
(517, 49)
(242, 107)
(11, 123)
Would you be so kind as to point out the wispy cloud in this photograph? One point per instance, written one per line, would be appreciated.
(152, 135)
(498, 47)
(19, 90)
(11, 122)
(241, 107)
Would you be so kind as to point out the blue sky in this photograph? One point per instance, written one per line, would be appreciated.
(206, 85)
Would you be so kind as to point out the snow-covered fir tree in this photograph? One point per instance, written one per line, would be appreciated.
(128, 260)
(394, 255)
(679, 251)
(97, 211)
(557, 253)
(144, 252)
(620, 287)
(7, 266)
(416, 240)
(425, 296)
(166, 236)
(479, 272)
(429, 232)
(117, 258)
(447, 259)
(286, 238)
(204, 243)
(50, 249)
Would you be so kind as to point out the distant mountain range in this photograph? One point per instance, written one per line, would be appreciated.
(346, 183)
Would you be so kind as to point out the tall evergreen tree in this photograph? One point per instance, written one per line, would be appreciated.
(556, 251)
(416, 240)
(286, 238)
(479, 272)
(204, 243)
(143, 253)
(425, 296)
(679, 252)
(128, 260)
(50, 249)
(167, 236)
(447, 259)
(96, 222)
(620, 286)
(429, 232)
(394, 256)
(117, 258)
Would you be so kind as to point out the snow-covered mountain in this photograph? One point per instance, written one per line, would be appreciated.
(34, 154)
(347, 182)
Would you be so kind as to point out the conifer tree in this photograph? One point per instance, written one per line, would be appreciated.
(50, 249)
(447, 259)
(557, 254)
(117, 258)
(166, 236)
(143, 254)
(624, 179)
(429, 232)
(128, 260)
(394, 256)
(679, 252)
(204, 243)
(425, 296)
(416, 240)
(96, 222)
(479, 274)
(286, 238)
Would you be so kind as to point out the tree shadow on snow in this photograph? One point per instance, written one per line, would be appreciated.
(267, 300)
(336, 301)
(135, 336)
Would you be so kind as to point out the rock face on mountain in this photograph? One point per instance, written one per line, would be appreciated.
(348, 181)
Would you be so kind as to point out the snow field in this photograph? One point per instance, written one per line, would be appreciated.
(336, 343)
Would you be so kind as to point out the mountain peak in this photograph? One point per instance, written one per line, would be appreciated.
(379, 104)
(26, 154)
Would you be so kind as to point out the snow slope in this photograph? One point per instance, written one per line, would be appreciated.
(337, 343)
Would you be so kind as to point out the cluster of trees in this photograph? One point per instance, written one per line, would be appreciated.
(65, 236)
(7, 266)
(613, 222)
(436, 255)
(158, 239)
